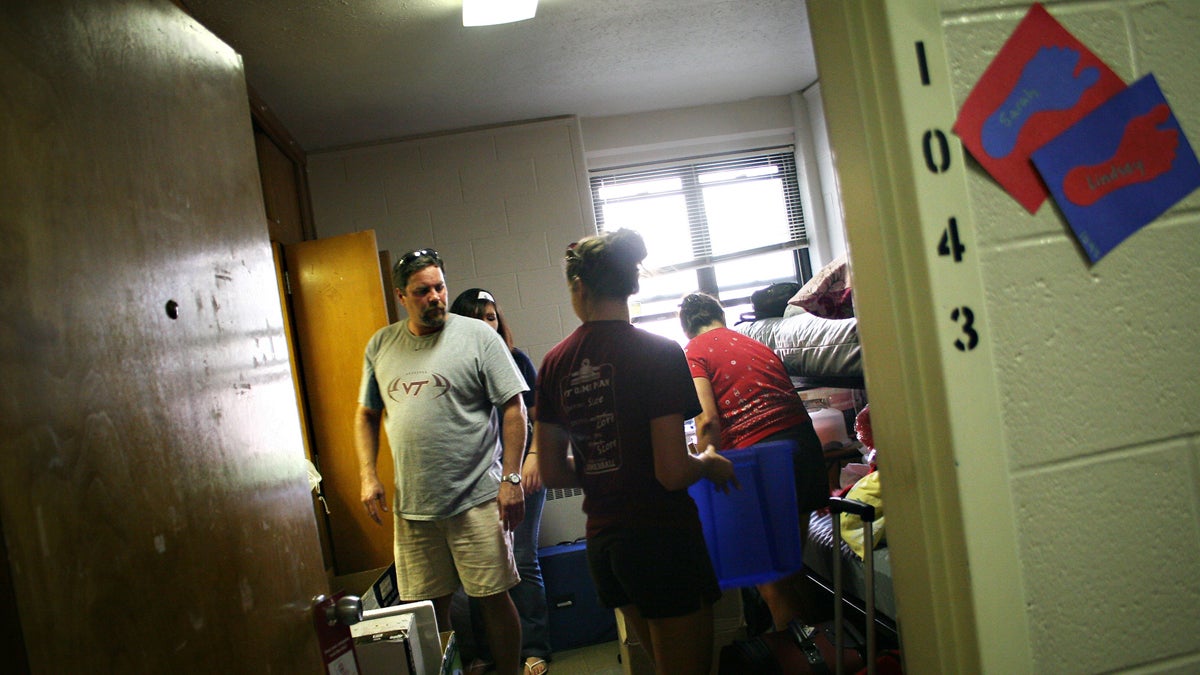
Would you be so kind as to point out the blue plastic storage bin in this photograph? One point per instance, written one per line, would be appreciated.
(577, 619)
(753, 534)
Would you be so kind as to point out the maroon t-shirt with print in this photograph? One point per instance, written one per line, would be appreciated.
(604, 384)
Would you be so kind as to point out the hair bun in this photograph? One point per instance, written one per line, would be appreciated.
(627, 247)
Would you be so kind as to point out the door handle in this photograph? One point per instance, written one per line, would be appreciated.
(332, 617)
(347, 610)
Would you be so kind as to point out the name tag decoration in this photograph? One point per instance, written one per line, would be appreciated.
(1119, 168)
(1041, 82)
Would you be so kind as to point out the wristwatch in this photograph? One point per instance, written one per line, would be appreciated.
(514, 478)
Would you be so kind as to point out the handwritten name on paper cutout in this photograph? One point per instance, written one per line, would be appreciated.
(1041, 82)
(1119, 168)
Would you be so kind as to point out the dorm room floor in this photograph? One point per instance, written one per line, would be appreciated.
(601, 659)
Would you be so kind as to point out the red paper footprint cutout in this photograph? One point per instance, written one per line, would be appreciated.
(1145, 152)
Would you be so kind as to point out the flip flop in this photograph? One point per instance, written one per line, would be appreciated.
(479, 667)
(532, 664)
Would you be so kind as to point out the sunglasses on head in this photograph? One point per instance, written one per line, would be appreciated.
(421, 253)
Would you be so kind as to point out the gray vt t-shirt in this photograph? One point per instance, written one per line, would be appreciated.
(439, 393)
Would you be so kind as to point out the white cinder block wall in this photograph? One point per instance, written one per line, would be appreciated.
(500, 205)
(832, 243)
(1099, 373)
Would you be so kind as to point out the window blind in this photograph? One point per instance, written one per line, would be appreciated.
(734, 206)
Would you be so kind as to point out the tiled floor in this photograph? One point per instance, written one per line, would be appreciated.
(601, 659)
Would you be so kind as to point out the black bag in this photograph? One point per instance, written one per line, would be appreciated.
(770, 302)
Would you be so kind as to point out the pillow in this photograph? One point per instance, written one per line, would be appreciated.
(828, 294)
(793, 310)
(869, 491)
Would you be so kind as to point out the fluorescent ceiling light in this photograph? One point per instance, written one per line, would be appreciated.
(490, 12)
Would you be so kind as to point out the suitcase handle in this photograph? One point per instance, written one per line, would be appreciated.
(839, 505)
(853, 507)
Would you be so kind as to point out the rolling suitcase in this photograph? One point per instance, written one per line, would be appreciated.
(838, 506)
(831, 647)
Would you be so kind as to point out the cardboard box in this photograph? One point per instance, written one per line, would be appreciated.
(451, 659)
(729, 624)
(385, 646)
(634, 660)
(382, 592)
(398, 640)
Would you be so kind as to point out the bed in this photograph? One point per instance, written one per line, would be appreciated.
(815, 331)
(816, 352)
(818, 565)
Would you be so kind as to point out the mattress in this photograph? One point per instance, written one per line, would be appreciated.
(810, 347)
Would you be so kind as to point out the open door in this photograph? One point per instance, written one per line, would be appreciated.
(338, 301)
(154, 503)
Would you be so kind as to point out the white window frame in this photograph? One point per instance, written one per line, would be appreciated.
(697, 254)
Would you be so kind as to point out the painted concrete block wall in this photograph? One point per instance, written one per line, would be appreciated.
(1099, 372)
(500, 205)
(834, 235)
(621, 140)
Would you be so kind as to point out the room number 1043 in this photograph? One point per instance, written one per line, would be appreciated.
(935, 147)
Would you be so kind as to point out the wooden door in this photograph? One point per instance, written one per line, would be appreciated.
(281, 191)
(153, 494)
(301, 404)
(338, 302)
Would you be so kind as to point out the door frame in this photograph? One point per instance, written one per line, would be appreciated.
(935, 409)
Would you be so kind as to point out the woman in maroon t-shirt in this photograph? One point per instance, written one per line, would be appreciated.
(618, 396)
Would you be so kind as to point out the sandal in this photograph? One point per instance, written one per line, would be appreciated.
(479, 667)
(532, 666)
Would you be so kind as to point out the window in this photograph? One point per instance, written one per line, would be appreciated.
(727, 226)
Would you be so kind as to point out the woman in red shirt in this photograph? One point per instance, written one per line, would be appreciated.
(746, 398)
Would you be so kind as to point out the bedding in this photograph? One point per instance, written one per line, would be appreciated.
(828, 294)
(867, 490)
(811, 347)
(817, 550)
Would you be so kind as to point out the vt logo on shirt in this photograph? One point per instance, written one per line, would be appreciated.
(418, 385)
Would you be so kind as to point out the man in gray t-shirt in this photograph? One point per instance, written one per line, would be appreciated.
(441, 384)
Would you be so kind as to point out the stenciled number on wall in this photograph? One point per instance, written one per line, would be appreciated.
(949, 244)
(937, 151)
(935, 146)
(966, 320)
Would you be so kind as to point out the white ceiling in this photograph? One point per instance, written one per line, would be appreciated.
(345, 72)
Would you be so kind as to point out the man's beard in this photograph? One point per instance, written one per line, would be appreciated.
(434, 317)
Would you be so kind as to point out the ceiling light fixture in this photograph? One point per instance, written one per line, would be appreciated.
(491, 12)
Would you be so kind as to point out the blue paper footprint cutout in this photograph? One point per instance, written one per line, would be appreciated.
(1047, 82)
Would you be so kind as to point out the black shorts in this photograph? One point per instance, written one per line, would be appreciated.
(808, 467)
(665, 572)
